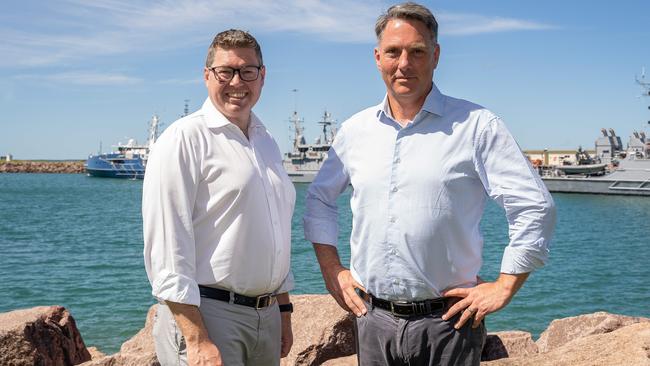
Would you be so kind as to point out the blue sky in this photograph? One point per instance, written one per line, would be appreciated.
(74, 73)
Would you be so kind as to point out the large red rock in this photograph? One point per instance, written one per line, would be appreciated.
(321, 331)
(44, 336)
(343, 361)
(137, 351)
(508, 344)
(628, 345)
(562, 331)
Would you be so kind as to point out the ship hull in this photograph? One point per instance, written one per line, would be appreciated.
(597, 186)
(115, 166)
(302, 176)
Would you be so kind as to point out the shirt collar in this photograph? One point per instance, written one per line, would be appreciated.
(432, 104)
(215, 119)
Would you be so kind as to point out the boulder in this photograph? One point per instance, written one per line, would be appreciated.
(44, 335)
(321, 331)
(342, 361)
(562, 331)
(508, 344)
(137, 351)
(628, 345)
(95, 353)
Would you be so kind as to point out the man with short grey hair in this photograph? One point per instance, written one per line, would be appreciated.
(217, 207)
(422, 165)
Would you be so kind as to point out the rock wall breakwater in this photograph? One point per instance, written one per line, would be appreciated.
(324, 335)
(32, 166)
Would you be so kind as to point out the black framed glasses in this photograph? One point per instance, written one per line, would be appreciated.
(246, 73)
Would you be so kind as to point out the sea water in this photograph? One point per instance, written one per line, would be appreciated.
(76, 241)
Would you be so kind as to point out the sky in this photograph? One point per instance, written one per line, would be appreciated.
(76, 73)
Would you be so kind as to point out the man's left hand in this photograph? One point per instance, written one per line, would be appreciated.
(485, 298)
(287, 335)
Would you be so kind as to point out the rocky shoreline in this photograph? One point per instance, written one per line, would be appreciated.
(33, 166)
(323, 335)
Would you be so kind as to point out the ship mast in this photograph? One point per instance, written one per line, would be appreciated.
(646, 93)
(153, 130)
(296, 123)
(644, 84)
(327, 122)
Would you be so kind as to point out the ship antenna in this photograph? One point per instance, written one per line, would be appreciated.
(295, 100)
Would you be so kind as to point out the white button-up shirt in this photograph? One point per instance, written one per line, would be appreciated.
(419, 194)
(216, 210)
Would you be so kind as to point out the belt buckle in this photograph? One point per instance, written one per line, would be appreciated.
(392, 307)
(267, 297)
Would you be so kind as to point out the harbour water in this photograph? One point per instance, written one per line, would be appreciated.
(76, 241)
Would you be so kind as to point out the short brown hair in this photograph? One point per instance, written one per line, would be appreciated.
(410, 11)
(233, 38)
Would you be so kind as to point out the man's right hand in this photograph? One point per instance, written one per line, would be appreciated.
(338, 280)
(203, 353)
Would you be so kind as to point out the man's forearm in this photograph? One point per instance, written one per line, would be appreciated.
(512, 282)
(328, 256)
(189, 320)
(283, 298)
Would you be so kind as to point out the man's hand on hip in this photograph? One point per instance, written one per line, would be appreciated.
(338, 280)
(485, 298)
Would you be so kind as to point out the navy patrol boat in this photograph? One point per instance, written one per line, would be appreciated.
(614, 170)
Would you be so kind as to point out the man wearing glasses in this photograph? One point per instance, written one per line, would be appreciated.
(422, 166)
(217, 207)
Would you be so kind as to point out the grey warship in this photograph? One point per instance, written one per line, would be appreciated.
(614, 170)
(304, 160)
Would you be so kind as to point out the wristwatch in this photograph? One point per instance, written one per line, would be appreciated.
(286, 308)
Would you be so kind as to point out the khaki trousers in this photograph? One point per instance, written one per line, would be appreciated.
(245, 336)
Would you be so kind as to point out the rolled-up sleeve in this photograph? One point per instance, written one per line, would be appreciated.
(511, 181)
(321, 211)
(168, 196)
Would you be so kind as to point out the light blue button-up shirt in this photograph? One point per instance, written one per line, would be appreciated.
(419, 194)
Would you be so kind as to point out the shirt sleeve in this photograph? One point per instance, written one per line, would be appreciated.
(510, 180)
(287, 284)
(168, 195)
(320, 220)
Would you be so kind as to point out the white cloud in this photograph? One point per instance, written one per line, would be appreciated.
(470, 24)
(195, 81)
(83, 78)
(79, 30)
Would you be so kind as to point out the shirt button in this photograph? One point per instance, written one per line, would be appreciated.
(397, 161)
(394, 189)
(392, 219)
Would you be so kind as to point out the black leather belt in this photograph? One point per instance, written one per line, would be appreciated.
(405, 308)
(257, 302)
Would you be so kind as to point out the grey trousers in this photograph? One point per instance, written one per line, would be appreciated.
(383, 339)
(244, 336)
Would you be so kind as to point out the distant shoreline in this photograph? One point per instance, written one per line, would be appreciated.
(43, 166)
